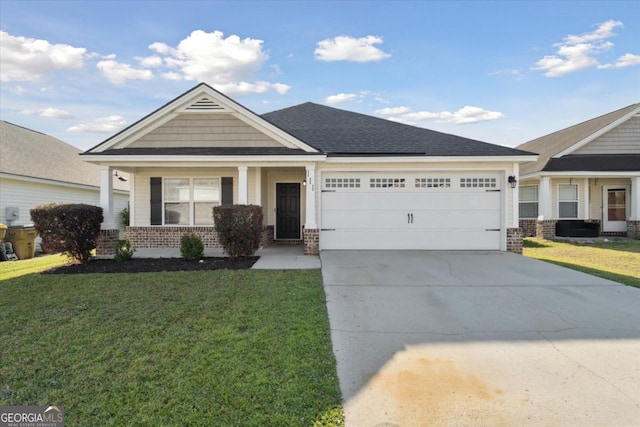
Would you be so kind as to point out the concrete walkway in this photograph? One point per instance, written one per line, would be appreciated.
(480, 339)
(271, 258)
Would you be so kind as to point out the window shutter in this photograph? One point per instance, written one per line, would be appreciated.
(227, 191)
(156, 201)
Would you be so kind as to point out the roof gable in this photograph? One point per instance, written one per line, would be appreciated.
(204, 101)
(341, 132)
(36, 155)
(571, 139)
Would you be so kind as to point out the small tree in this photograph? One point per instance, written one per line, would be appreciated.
(239, 228)
(69, 228)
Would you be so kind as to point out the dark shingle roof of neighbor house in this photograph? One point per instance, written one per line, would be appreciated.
(340, 132)
(32, 154)
(549, 145)
(594, 162)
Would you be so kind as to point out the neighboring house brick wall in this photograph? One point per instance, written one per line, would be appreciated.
(546, 229)
(633, 229)
(528, 227)
(514, 240)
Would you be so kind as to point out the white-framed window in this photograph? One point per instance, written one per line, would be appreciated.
(190, 201)
(528, 195)
(568, 201)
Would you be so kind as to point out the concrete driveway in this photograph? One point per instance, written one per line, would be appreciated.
(480, 339)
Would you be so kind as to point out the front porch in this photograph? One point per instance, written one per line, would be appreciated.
(168, 202)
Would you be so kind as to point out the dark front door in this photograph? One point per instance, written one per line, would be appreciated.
(287, 211)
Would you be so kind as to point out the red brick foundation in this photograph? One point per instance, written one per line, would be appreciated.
(514, 240)
(106, 243)
(311, 241)
(528, 227)
(546, 229)
(169, 237)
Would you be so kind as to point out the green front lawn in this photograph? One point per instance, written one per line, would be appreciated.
(617, 260)
(199, 348)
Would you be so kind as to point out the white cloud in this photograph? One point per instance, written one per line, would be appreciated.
(118, 73)
(340, 98)
(149, 61)
(627, 60)
(108, 124)
(27, 59)
(18, 90)
(577, 53)
(514, 74)
(50, 112)
(345, 48)
(393, 110)
(229, 64)
(464, 115)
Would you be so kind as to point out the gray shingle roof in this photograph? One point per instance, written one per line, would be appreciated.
(28, 153)
(336, 132)
(549, 145)
(206, 151)
(594, 162)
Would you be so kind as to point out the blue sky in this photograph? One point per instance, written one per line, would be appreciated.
(502, 72)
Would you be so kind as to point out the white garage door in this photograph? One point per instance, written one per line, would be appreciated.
(411, 210)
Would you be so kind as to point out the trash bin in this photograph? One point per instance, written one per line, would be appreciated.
(3, 230)
(23, 239)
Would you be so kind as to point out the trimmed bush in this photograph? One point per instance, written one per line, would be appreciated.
(69, 228)
(239, 228)
(124, 251)
(191, 247)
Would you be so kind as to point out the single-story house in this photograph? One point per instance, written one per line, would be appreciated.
(586, 180)
(38, 169)
(325, 177)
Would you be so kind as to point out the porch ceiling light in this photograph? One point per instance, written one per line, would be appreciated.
(121, 178)
(513, 181)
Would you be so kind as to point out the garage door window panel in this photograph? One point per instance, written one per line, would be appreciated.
(478, 183)
(433, 183)
(387, 182)
(341, 183)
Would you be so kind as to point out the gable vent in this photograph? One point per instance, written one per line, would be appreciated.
(205, 104)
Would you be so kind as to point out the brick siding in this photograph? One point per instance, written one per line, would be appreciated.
(514, 240)
(546, 229)
(633, 229)
(106, 243)
(311, 241)
(528, 227)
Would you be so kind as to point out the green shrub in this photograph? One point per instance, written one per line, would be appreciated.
(124, 251)
(124, 217)
(191, 247)
(239, 228)
(69, 228)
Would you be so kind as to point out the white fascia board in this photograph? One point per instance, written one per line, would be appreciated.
(433, 159)
(597, 134)
(54, 182)
(168, 160)
(585, 174)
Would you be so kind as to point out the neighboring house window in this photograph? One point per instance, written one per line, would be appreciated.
(190, 201)
(568, 201)
(528, 201)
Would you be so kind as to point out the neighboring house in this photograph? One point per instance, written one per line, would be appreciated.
(37, 169)
(588, 173)
(330, 178)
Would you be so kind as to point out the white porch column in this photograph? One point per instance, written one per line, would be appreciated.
(635, 199)
(544, 197)
(310, 179)
(106, 198)
(243, 185)
(258, 200)
(586, 211)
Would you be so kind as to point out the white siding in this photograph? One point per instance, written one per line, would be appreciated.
(205, 130)
(26, 195)
(624, 139)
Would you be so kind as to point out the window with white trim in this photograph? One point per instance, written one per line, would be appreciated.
(568, 201)
(478, 183)
(190, 201)
(433, 183)
(386, 183)
(528, 195)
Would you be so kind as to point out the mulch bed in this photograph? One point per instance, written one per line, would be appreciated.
(150, 265)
